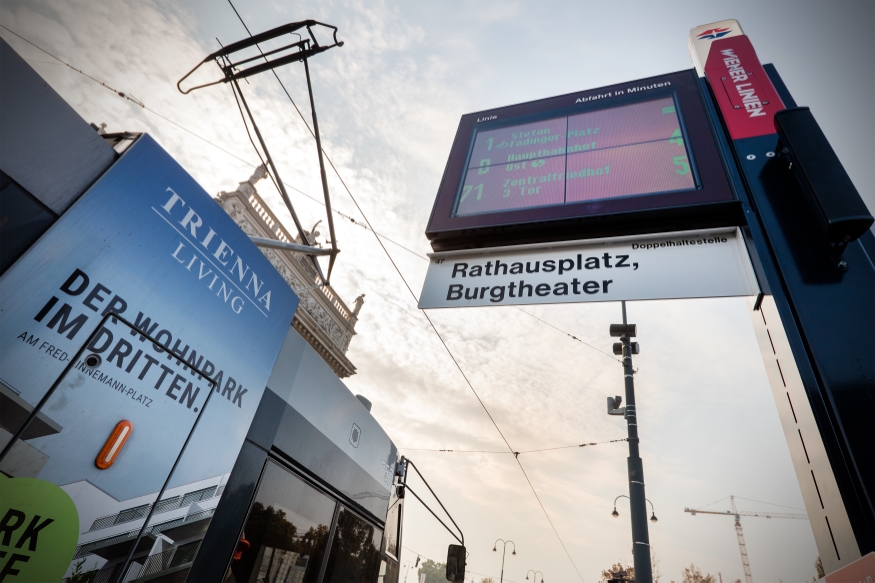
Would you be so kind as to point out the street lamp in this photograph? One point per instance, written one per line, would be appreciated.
(408, 568)
(535, 576)
(615, 514)
(503, 552)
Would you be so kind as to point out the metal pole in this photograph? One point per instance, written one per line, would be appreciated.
(274, 244)
(279, 181)
(322, 170)
(503, 552)
(637, 500)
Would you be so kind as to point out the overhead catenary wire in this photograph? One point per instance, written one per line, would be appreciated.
(337, 173)
(434, 328)
(516, 453)
(251, 141)
(367, 225)
(572, 336)
(339, 213)
(137, 102)
(466, 569)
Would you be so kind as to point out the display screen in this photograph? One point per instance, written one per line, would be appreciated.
(631, 158)
(629, 150)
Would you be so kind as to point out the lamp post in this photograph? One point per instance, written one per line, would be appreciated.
(637, 504)
(408, 568)
(653, 517)
(535, 576)
(503, 552)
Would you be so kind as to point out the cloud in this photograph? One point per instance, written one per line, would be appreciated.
(389, 102)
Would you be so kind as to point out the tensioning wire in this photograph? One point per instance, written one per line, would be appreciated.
(516, 453)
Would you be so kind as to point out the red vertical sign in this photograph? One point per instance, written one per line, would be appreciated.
(746, 96)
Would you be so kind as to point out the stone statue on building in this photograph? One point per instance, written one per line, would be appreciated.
(358, 305)
(311, 235)
(248, 187)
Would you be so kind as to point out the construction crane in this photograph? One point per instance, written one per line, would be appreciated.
(739, 533)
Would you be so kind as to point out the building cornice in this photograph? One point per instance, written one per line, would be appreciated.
(322, 318)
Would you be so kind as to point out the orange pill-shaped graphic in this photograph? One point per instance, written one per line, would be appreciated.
(114, 444)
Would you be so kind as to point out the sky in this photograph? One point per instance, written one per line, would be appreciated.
(389, 102)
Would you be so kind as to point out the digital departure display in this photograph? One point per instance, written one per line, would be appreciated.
(637, 157)
(622, 151)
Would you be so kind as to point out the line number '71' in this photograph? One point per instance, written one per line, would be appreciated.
(467, 190)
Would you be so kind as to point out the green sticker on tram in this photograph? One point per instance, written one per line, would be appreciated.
(39, 529)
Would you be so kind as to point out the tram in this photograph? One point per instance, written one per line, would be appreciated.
(161, 418)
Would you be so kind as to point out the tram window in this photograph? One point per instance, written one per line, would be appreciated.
(286, 532)
(388, 571)
(355, 550)
(392, 527)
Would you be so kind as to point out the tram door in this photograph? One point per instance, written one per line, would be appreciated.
(297, 532)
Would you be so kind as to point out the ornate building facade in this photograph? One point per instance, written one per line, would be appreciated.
(322, 318)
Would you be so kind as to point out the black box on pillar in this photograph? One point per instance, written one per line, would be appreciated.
(833, 198)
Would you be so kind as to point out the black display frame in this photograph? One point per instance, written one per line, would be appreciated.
(711, 204)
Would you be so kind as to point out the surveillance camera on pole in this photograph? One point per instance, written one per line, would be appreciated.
(618, 348)
(624, 330)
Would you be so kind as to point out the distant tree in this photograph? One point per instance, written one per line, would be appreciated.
(692, 574)
(654, 566)
(619, 567)
(434, 572)
(818, 566)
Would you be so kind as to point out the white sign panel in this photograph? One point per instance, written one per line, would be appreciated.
(694, 264)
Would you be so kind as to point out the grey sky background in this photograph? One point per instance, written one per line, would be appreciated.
(389, 103)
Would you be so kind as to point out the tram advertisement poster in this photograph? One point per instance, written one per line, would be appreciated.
(148, 243)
